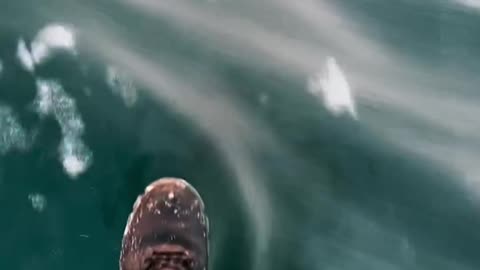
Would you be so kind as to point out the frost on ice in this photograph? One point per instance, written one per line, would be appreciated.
(332, 86)
(52, 100)
(122, 85)
(12, 134)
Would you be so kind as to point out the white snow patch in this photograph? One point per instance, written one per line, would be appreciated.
(52, 100)
(12, 134)
(75, 156)
(50, 38)
(24, 56)
(38, 201)
(334, 89)
(122, 85)
(73, 164)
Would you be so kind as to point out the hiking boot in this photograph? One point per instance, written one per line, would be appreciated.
(167, 229)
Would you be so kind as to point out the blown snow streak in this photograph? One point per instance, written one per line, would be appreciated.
(470, 3)
(12, 134)
(383, 79)
(121, 85)
(52, 100)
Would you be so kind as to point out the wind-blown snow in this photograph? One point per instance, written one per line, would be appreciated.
(24, 56)
(333, 87)
(38, 201)
(52, 100)
(470, 3)
(50, 38)
(75, 155)
(12, 134)
(122, 85)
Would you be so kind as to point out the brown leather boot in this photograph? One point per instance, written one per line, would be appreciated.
(167, 230)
